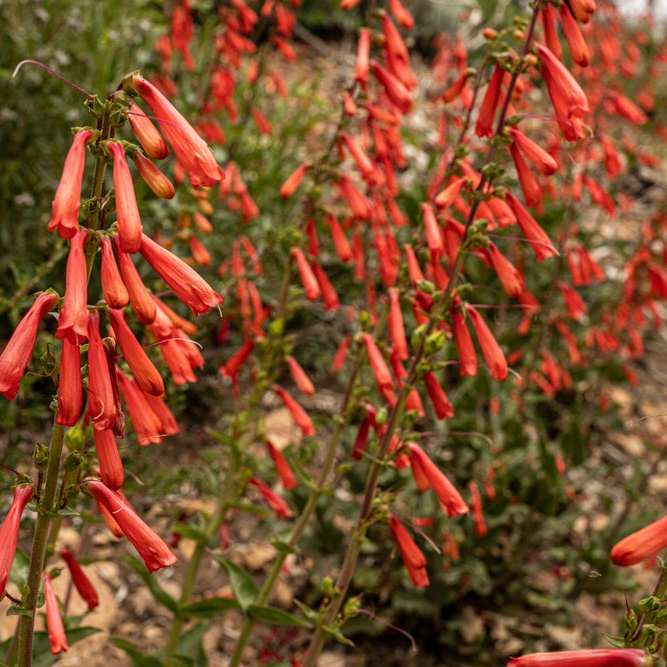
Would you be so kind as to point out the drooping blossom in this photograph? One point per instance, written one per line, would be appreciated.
(532, 191)
(152, 549)
(412, 556)
(232, 366)
(113, 289)
(477, 511)
(575, 39)
(292, 183)
(487, 111)
(128, 221)
(464, 345)
(401, 14)
(9, 532)
(65, 208)
(378, 365)
(363, 51)
(153, 177)
(447, 494)
(329, 295)
(600, 657)
(273, 500)
(299, 415)
(397, 93)
(70, 386)
(102, 409)
(17, 352)
(54, 621)
(166, 419)
(493, 355)
(191, 150)
(73, 320)
(641, 544)
(544, 162)
(282, 467)
(302, 381)
(441, 404)
(308, 280)
(396, 326)
(81, 581)
(148, 135)
(145, 422)
(143, 370)
(108, 458)
(184, 281)
(537, 238)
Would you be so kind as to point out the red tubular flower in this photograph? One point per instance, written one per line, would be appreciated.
(70, 386)
(478, 514)
(363, 162)
(114, 291)
(401, 14)
(507, 273)
(464, 345)
(487, 112)
(17, 352)
(341, 353)
(65, 208)
(144, 420)
(308, 279)
(532, 192)
(299, 415)
(142, 302)
(378, 365)
(537, 238)
(152, 549)
(299, 376)
(54, 621)
(396, 326)
(292, 183)
(101, 400)
(285, 472)
(542, 161)
(191, 150)
(274, 501)
(339, 239)
(184, 281)
(153, 177)
(363, 51)
(493, 355)
(110, 464)
(600, 657)
(362, 438)
(443, 408)
(641, 544)
(81, 582)
(397, 93)
(550, 31)
(163, 414)
(73, 320)
(329, 295)
(127, 211)
(432, 231)
(232, 366)
(628, 109)
(9, 532)
(575, 40)
(148, 135)
(143, 370)
(411, 554)
(448, 195)
(444, 489)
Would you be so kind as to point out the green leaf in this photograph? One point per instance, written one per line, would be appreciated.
(156, 590)
(42, 645)
(283, 547)
(616, 642)
(190, 645)
(275, 616)
(135, 654)
(191, 533)
(209, 607)
(245, 589)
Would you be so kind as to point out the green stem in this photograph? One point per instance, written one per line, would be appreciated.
(45, 509)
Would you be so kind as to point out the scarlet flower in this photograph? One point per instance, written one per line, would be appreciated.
(292, 183)
(181, 356)
(152, 549)
(641, 544)
(493, 355)
(507, 273)
(341, 353)
(73, 320)
(163, 414)
(532, 192)
(274, 501)
(396, 326)
(185, 282)
(143, 370)
(17, 352)
(443, 408)
(448, 195)
(363, 162)
(575, 40)
(285, 472)
(144, 420)
(81, 582)
(542, 161)
(411, 554)
(432, 231)
(444, 489)
(54, 621)
(127, 211)
(484, 124)
(70, 386)
(628, 109)
(114, 291)
(361, 439)
(153, 177)
(339, 239)
(308, 280)
(601, 657)
(401, 14)
(102, 409)
(148, 135)
(378, 364)
(200, 253)
(299, 415)
(573, 302)
(65, 208)
(478, 514)
(363, 51)
(397, 93)
(232, 366)
(537, 238)
(9, 532)
(191, 150)
(142, 303)
(550, 31)
(299, 376)
(464, 345)
(108, 458)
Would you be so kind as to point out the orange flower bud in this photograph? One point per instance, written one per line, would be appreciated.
(148, 135)
(412, 556)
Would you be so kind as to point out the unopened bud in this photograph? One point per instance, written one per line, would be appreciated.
(40, 458)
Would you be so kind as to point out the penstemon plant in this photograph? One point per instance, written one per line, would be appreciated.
(423, 297)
